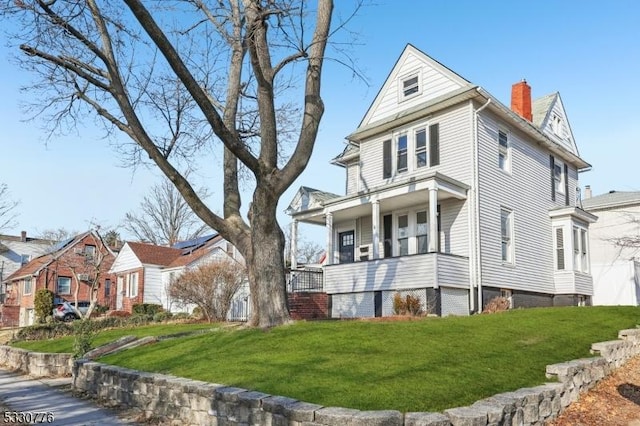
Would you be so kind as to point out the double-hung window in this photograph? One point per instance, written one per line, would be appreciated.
(580, 259)
(63, 285)
(506, 232)
(422, 232)
(28, 286)
(410, 86)
(133, 284)
(421, 148)
(504, 160)
(401, 164)
(403, 235)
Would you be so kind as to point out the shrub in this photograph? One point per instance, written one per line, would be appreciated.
(197, 313)
(408, 305)
(119, 314)
(147, 308)
(162, 316)
(43, 304)
(100, 309)
(181, 316)
(84, 331)
(497, 304)
(44, 331)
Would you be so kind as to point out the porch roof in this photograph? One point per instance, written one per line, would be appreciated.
(399, 194)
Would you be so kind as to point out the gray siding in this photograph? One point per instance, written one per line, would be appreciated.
(454, 224)
(397, 273)
(352, 178)
(434, 84)
(527, 192)
(455, 154)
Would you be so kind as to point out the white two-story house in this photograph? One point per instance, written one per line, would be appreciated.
(455, 198)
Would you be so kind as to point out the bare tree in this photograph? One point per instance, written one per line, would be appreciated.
(87, 269)
(7, 208)
(219, 74)
(57, 235)
(164, 217)
(210, 286)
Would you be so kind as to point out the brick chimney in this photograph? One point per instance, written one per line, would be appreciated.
(23, 236)
(521, 100)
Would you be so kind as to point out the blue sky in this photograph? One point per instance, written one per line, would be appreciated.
(588, 52)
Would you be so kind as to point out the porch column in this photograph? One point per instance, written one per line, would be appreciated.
(433, 220)
(375, 228)
(294, 244)
(329, 225)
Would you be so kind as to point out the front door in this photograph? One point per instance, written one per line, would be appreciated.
(346, 246)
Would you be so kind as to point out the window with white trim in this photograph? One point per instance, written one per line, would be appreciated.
(504, 157)
(558, 176)
(63, 285)
(422, 232)
(410, 86)
(401, 153)
(132, 289)
(580, 247)
(506, 232)
(421, 147)
(28, 286)
(403, 235)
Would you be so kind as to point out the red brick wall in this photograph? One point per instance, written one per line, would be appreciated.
(128, 302)
(308, 305)
(10, 316)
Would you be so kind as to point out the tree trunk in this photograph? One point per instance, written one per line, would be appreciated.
(265, 264)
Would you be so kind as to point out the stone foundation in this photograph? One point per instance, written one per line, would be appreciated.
(193, 402)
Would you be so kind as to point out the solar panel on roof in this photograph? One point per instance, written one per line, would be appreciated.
(194, 243)
(61, 244)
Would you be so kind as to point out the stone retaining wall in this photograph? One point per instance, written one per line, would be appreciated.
(193, 402)
(36, 364)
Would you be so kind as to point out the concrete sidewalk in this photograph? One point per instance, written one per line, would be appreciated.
(22, 393)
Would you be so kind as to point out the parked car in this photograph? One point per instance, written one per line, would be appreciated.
(65, 311)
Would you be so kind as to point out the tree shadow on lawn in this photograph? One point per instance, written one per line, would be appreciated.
(630, 391)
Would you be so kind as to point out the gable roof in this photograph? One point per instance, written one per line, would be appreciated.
(151, 254)
(308, 199)
(39, 263)
(435, 76)
(612, 199)
(459, 90)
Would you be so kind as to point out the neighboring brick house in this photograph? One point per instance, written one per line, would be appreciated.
(68, 270)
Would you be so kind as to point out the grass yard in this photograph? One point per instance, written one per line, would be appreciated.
(65, 344)
(423, 365)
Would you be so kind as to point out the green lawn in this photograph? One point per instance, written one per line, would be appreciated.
(425, 365)
(65, 344)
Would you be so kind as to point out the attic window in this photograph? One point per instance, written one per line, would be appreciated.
(410, 86)
(556, 125)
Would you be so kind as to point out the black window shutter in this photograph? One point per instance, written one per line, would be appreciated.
(387, 229)
(386, 158)
(552, 165)
(434, 144)
(566, 185)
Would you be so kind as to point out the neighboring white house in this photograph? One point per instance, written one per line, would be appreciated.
(615, 252)
(453, 197)
(145, 272)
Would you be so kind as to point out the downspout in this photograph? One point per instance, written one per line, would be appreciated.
(476, 206)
